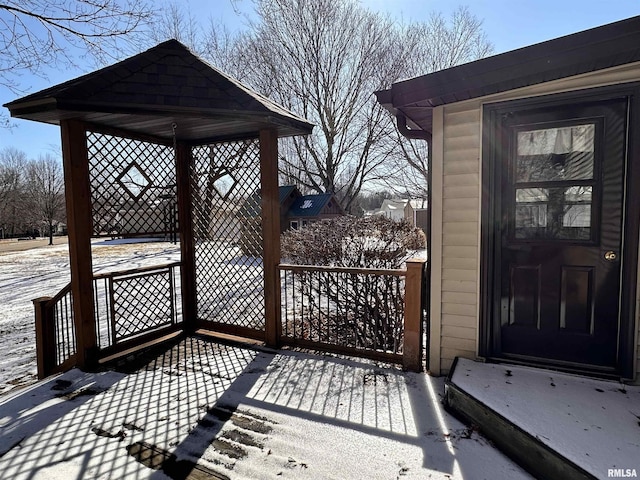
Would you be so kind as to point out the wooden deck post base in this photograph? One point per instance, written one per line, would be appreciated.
(45, 337)
(412, 348)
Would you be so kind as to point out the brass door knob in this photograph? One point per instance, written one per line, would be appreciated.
(610, 256)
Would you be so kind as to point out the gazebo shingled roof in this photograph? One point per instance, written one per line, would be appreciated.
(148, 92)
(148, 98)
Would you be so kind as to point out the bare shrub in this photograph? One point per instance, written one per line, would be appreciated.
(362, 310)
(359, 242)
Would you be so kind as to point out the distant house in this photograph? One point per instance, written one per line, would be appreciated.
(413, 211)
(60, 228)
(223, 223)
(310, 208)
(296, 211)
(397, 209)
(137, 218)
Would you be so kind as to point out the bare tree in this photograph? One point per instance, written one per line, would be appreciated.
(210, 39)
(437, 44)
(406, 171)
(13, 164)
(36, 34)
(45, 190)
(178, 23)
(323, 59)
(447, 43)
(222, 48)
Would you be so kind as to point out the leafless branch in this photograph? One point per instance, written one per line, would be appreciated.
(35, 34)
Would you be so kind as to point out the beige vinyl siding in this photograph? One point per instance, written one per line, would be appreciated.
(460, 211)
(435, 282)
(460, 310)
(460, 298)
(457, 182)
(458, 274)
(463, 166)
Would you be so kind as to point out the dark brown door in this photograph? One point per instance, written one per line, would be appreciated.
(559, 236)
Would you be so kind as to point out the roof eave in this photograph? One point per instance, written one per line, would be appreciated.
(64, 108)
(20, 109)
(583, 52)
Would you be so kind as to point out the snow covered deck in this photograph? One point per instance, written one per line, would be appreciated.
(201, 408)
(564, 426)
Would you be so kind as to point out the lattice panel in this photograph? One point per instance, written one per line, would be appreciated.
(133, 186)
(226, 214)
(142, 303)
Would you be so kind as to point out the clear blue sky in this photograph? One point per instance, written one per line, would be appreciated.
(510, 24)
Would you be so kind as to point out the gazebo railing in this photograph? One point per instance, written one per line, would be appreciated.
(55, 333)
(130, 304)
(374, 313)
(364, 312)
(131, 307)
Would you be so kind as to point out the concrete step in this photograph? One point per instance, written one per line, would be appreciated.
(554, 425)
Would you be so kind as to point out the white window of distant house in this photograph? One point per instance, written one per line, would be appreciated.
(294, 224)
(304, 223)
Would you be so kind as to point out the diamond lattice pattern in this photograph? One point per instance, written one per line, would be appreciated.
(142, 303)
(134, 180)
(133, 186)
(228, 236)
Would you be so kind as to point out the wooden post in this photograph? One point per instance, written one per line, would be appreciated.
(45, 337)
(80, 226)
(412, 348)
(270, 234)
(187, 243)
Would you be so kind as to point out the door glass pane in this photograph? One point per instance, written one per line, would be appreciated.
(531, 212)
(553, 213)
(549, 154)
(577, 208)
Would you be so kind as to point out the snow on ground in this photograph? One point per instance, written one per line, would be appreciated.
(594, 423)
(44, 271)
(243, 414)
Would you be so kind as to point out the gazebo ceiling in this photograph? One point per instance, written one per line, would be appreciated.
(147, 93)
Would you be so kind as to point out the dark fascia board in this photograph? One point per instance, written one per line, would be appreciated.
(385, 99)
(64, 105)
(583, 52)
(69, 108)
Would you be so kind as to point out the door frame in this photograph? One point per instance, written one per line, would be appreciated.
(489, 341)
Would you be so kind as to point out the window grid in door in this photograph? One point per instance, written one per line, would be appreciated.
(554, 182)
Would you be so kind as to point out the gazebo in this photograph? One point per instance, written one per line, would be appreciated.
(161, 132)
